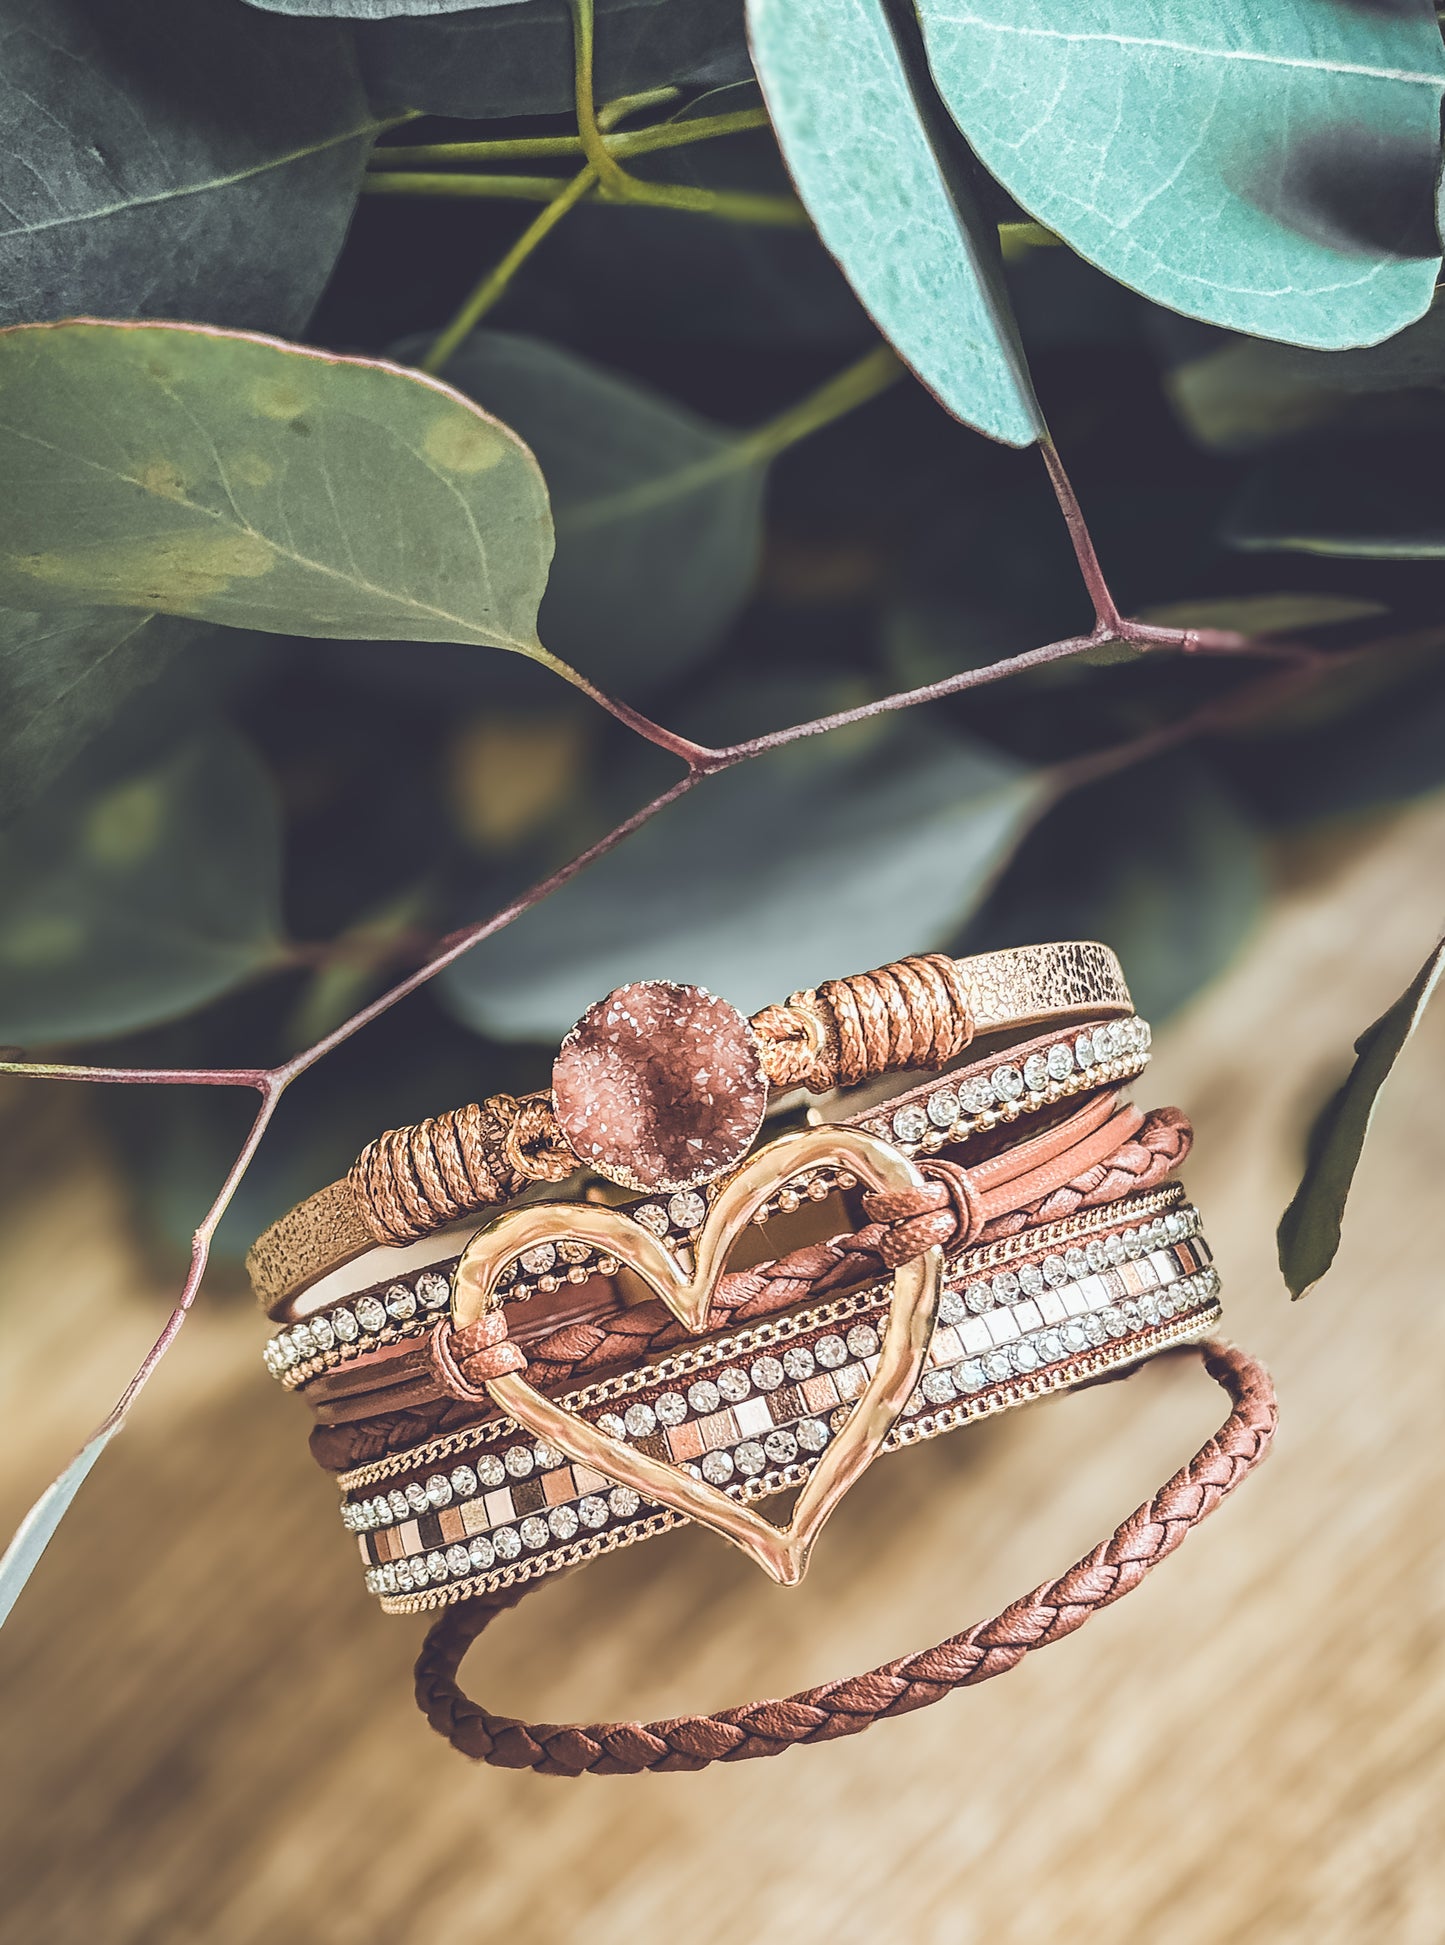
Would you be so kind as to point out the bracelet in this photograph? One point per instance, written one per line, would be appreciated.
(662, 1087)
(841, 1708)
(754, 1411)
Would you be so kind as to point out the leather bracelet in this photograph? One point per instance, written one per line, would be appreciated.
(842, 1708)
(663, 1087)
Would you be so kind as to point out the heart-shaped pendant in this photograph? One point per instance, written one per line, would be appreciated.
(782, 1551)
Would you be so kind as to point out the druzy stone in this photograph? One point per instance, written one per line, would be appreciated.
(660, 1086)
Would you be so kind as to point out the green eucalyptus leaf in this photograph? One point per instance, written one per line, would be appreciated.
(241, 480)
(658, 513)
(63, 674)
(135, 902)
(37, 1529)
(899, 220)
(1268, 168)
(1264, 614)
(1368, 497)
(174, 158)
(817, 860)
(1309, 1230)
(505, 60)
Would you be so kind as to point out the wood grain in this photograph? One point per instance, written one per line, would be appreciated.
(209, 1733)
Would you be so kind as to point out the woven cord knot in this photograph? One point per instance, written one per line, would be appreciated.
(912, 1013)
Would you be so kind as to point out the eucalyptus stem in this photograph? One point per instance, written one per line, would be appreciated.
(495, 283)
(610, 173)
(863, 380)
(511, 189)
(637, 141)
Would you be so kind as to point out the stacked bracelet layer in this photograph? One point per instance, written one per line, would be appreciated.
(581, 1375)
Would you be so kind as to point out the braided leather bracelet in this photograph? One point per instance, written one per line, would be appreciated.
(661, 1086)
(847, 1708)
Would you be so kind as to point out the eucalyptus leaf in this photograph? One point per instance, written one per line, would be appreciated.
(240, 480)
(1378, 497)
(503, 60)
(898, 218)
(63, 674)
(1264, 614)
(1268, 168)
(818, 860)
(1309, 1230)
(135, 902)
(37, 1529)
(658, 513)
(174, 158)
(375, 9)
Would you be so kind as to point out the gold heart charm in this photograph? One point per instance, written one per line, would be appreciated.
(781, 1551)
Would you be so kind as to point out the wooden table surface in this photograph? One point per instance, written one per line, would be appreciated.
(209, 1733)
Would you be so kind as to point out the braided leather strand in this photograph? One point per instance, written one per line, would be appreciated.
(847, 1708)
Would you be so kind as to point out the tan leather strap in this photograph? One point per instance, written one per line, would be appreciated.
(921, 1012)
(846, 1708)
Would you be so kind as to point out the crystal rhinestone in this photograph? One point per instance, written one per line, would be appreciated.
(830, 1352)
(592, 1511)
(910, 1123)
(1008, 1083)
(623, 1502)
(439, 1489)
(404, 1580)
(1148, 1308)
(1005, 1287)
(766, 1373)
(481, 1553)
(717, 1468)
(798, 1363)
(1075, 1337)
(750, 1458)
(490, 1470)
(687, 1209)
(1061, 1061)
(951, 1308)
(1084, 1050)
(399, 1504)
(534, 1531)
(1095, 1254)
(518, 1460)
(640, 1420)
(781, 1448)
(302, 1342)
(459, 1562)
(976, 1095)
(1175, 1227)
(420, 1571)
(1076, 1263)
(1056, 1270)
(400, 1303)
(436, 1566)
(811, 1434)
(1025, 1357)
(938, 1387)
(1036, 1073)
(323, 1333)
(1104, 1048)
(507, 1542)
(1168, 1303)
(652, 1216)
(1131, 1243)
(704, 1396)
(507, 1276)
(344, 1323)
(943, 1108)
(979, 1297)
(1131, 1315)
(353, 1517)
(537, 1260)
(1032, 1280)
(547, 1457)
(464, 1482)
(369, 1581)
(862, 1341)
(1050, 1346)
(433, 1291)
(1095, 1328)
(733, 1385)
(570, 1250)
(611, 1425)
(563, 1522)
(380, 1510)
(671, 1408)
(970, 1376)
(271, 1358)
(370, 1313)
(999, 1365)
(416, 1497)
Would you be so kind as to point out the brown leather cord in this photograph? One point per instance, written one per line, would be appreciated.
(412, 1181)
(846, 1708)
(913, 1013)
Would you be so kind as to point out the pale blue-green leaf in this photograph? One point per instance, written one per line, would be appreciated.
(37, 1529)
(1269, 168)
(897, 218)
(241, 480)
(815, 861)
(1309, 1230)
